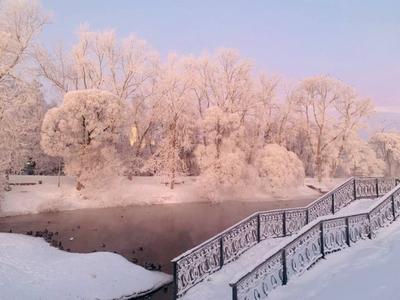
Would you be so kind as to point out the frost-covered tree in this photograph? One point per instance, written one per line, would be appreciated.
(331, 111)
(175, 119)
(126, 67)
(84, 130)
(20, 22)
(21, 112)
(222, 162)
(279, 168)
(387, 147)
(358, 158)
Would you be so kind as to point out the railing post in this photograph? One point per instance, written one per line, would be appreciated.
(234, 292)
(377, 187)
(284, 223)
(355, 189)
(221, 252)
(321, 228)
(284, 268)
(333, 203)
(175, 283)
(370, 227)
(393, 206)
(307, 216)
(258, 228)
(347, 232)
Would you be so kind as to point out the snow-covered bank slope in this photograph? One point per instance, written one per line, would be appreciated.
(369, 270)
(45, 197)
(32, 269)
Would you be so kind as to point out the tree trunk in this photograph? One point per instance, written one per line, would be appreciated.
(59, 173)
(319, 160)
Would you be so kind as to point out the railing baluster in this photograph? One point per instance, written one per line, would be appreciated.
(321, 228)
(175, 283)
(234, 292)
(370, 227)
(284, 223)
(221, 252)
(393, 208)
(348, 232)
(307, 216)
(284, 267)
(355, 189)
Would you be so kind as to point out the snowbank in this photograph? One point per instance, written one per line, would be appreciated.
(32, 269)
(47, 197)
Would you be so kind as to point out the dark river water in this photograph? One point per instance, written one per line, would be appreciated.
(146, 235)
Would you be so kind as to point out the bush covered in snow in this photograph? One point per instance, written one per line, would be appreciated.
(279, 168)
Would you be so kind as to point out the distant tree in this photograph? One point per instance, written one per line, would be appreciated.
(331, 112)
(387, 148)
(175, 118)
(358, 158)
(84, 131)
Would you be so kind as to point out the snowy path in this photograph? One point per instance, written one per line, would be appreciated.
(32, 269)
(217, 286)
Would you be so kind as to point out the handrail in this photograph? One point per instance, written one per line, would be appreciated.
(194, 265)
(319, 238)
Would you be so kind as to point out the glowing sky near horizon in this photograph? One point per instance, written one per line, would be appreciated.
(355, 41)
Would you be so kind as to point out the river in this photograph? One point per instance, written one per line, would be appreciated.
(147, 235)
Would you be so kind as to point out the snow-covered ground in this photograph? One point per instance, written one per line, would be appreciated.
(46, 197)
(32, 269)
(217, 286)
(369, 270)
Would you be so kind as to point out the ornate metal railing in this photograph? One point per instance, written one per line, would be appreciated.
(195, 265)
(320, 239)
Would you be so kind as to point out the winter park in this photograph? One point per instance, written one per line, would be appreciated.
(199, 150)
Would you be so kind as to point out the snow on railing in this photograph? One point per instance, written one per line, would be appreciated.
(318, 239)
(196, 264)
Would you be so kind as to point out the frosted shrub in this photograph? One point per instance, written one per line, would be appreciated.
(279, 168)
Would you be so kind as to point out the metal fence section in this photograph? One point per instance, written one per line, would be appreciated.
(322, 238)
(195, 265)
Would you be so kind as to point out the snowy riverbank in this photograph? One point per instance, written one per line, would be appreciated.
(48, 197)
(32, 269)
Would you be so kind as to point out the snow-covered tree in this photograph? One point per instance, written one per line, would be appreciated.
(331, 112)
(175, 118)
(84, 131)
(222, 162)
(21, 115)
(278, 168)
(126, 67)
(387, 147)
(20, 22)
(358, 158)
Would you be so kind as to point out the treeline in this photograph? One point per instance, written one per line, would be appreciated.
(122, 110)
